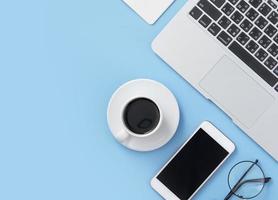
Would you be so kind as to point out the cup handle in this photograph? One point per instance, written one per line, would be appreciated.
(122, 135)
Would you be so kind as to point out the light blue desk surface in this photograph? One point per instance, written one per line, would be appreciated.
(60, 61)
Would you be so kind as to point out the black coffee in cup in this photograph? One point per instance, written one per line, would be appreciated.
(141, 116)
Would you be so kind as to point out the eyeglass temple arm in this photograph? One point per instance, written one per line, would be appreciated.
(259, 180)
(235, 188)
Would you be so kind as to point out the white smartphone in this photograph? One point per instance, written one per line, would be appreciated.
(149, 10)
(193, 164)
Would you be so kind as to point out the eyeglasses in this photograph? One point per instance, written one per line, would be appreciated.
(246, 180)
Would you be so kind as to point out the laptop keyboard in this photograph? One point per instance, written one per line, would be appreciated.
(248, 28)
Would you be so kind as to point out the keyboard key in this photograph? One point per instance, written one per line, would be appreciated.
(246, 25)
(205, 21)
(196, 13)
(228, 9)
(261, 22)
(270, 30)
(276, 88)
(252, 14)
(273, 17)
(273, 50)
(264, 9)
(224, 38)
(255, 3)
(264, 41)
(255, 33)
(252, 46)
(214, 29)
(261, 54)
(218, 3)
(224, 22)
(270, 63)
(243, 38)
(209, 9)
(233, 1)
(255, 65)
(276, 38)
(237, 17)
(233, 30)
(276, 71)
(242, 6)
(272, 4)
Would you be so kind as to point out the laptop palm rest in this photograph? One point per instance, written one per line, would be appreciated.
(236, 92)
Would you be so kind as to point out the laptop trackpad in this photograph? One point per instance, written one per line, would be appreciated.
(236, 92)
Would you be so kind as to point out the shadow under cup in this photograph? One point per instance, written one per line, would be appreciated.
(141, 116)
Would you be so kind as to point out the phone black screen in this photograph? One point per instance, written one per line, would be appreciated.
(192, 165)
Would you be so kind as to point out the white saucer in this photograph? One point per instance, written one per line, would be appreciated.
(158, 93)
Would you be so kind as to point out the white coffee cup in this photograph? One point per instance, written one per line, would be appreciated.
(146, 106)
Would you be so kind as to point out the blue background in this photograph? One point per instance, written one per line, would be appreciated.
(60, 61)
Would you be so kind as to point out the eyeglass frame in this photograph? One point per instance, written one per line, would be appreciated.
(239, 183)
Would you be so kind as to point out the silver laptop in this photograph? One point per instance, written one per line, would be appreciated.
(228, 50)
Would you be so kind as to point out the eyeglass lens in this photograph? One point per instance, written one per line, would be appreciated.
(251, 185)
